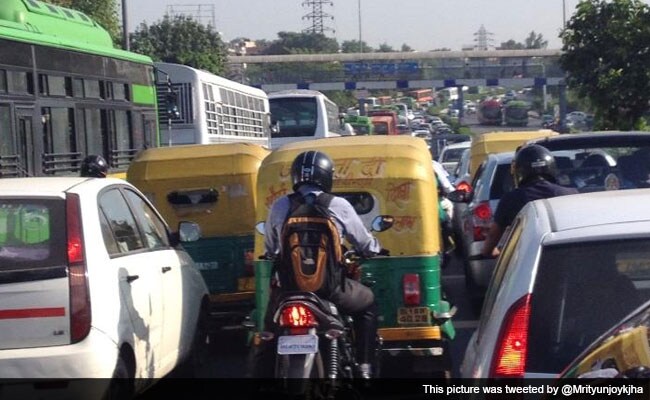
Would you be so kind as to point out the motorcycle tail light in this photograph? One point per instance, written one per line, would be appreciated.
(411, 289)
(297, 316)
(464, 187)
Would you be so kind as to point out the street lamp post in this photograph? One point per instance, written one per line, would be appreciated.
(360, 43)
(564, 14)
(125, 27)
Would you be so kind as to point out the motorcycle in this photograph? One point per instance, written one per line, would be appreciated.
(314, 342)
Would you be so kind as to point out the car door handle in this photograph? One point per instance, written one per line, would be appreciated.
(131, 278)
(166, 269)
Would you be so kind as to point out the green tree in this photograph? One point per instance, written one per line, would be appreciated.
(352, 46)
(385, 48)
(406, 48)
(102, 11)
(512, 45)
(606, 58)
(535, 41)
(181, 40)
(302, 43)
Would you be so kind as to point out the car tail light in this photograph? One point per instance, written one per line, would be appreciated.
(80, 314)
(411, 289)
(482, 217)
(297, 316)
(509, 359)
(464, 187)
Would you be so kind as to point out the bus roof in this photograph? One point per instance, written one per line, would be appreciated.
(34, 21)
(207, 76)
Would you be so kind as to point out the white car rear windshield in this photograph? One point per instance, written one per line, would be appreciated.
(581, 290)
(32, 234)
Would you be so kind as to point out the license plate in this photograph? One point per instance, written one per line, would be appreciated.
(298, 344)
(246, 284)
(414, 316)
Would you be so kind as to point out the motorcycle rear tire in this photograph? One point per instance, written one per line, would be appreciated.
(292, 368)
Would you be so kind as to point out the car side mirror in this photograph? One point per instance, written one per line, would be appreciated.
(382, 223)
(460, 196)
(260, 228)
(188, 231)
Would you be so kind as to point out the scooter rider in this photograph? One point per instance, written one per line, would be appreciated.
(534, 172)
(312, 173)
(94, 166)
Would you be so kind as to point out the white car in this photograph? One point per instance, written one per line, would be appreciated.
(94, 285)
(572, 266)
(450, 155)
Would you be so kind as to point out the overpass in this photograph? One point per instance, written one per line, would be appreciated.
(399, 70)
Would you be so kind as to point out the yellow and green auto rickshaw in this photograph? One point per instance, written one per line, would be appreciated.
(214, 186)
(380, 175)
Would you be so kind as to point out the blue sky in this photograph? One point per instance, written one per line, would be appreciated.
(422, 24)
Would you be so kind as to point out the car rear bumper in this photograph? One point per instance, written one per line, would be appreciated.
(93, 357)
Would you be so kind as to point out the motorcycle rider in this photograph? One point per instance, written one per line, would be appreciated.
(94, 166)
(446, 209)
(312, 173)
(534, 171)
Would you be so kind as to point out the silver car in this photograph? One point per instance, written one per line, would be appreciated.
(491, 181)
(571, 267)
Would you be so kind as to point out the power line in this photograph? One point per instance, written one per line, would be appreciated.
(317, 15)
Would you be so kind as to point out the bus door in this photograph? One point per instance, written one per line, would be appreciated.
(150, 130)
(25, 142)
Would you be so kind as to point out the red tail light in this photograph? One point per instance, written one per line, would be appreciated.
(80, 315)
(482, 218)
(512, 344)
(411, 289)
(464, 187)
(297, 316)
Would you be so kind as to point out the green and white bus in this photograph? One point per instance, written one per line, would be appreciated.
(66, 92)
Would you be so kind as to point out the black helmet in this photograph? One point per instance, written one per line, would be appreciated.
(534, 161)
(312, 167)
(94, 166)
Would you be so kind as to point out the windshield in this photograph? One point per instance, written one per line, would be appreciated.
(32, 233)
(295, 116)
(452, 155)
(604, 168)
(581, 290)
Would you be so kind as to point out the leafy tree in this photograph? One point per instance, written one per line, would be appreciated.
(181, 40)
(606, 57)
(536, 41)
(385, 48)
(352, 46)
(406, 48)
(512, 45)
(102, 11)
(302, 43)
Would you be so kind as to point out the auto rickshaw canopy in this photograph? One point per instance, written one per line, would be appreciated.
(498, 142)
(211, 184)
(379, 175)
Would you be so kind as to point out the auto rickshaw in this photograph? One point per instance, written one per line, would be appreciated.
(214, 186)
(380, 175)
(498, 142)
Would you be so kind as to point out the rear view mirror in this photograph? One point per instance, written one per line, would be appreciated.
(382, 223)
(189, 231)
(460, 196)
(260, 227)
